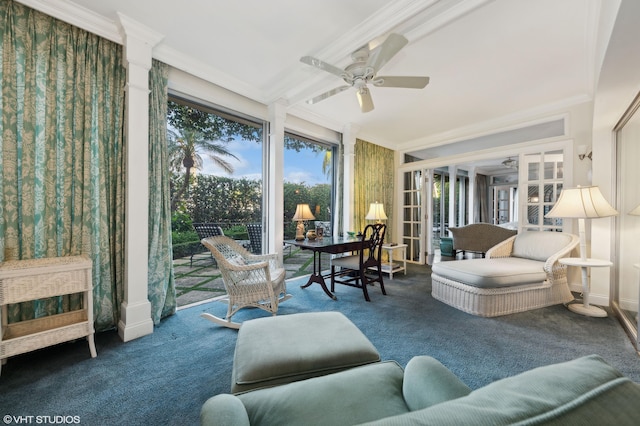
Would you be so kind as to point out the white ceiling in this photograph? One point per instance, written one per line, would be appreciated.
(487, 59)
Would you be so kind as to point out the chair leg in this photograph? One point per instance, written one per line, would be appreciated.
(381, 282)
(333, 279)
(364, 283)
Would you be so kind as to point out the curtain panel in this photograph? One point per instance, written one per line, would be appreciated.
(62, 177)
(162, 292)
(374, 177)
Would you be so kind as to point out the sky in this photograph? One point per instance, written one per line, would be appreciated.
(304, 166)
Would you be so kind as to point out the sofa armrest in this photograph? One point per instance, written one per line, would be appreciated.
(503, 249)
(427, 382)
(223, 410)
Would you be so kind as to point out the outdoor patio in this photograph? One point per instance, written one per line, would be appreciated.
(201, 279)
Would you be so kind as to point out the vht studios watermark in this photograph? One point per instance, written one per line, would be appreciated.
(40, 420)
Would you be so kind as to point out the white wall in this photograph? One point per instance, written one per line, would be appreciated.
(618, 84)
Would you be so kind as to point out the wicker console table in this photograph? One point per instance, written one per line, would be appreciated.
(26, 280)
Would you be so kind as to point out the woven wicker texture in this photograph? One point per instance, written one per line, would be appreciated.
(250, 279)
(26, 280)
(491, 302)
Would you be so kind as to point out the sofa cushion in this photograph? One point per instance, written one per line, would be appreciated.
(353, 396)
(492, 273)
(578, 390)
(539, 245)
(285, 348)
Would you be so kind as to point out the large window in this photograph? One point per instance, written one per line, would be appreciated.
(308, 179)
(216, 167)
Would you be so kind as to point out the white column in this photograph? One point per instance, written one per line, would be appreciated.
(349, 143)
(275, 202)
(453, 171)
(135, 319)
(471, 204)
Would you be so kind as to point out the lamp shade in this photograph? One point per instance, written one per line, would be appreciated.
(636, 211)
(376, 212)
(303, 212)
(581, 202)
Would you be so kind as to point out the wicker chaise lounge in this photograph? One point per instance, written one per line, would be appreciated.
(519, 274)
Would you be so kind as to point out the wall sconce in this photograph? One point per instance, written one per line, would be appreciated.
(582, 152)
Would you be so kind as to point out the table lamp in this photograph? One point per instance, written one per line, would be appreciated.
(303, 212)
(583, 202)
(376, 212)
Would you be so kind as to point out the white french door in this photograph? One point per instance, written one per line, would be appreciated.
(415, 213)
(540, 183)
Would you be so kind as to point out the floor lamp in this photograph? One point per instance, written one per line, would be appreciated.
(583, 202)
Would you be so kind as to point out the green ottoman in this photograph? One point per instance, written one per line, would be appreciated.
(282, 349)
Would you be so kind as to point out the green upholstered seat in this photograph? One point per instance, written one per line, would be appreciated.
(286, 348)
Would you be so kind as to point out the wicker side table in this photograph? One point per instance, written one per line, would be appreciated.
(26, 280)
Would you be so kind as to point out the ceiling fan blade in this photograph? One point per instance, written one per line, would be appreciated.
(317, 63)
(365, 100)
(325, 95)
(401, 81)
(387, 50)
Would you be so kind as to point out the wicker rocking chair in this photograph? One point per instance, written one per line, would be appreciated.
(250, 280)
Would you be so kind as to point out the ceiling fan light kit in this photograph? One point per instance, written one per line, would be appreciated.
(364, 69)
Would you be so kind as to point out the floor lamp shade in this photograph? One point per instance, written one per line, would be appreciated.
(376, 212)
(636, 211)
(582, 202)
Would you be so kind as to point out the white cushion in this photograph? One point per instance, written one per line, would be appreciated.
(492, 273)
(539, 245)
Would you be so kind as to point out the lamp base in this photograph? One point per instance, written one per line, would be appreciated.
(587, 310)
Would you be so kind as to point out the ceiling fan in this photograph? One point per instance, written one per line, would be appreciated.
(510, 163)
(364, 69)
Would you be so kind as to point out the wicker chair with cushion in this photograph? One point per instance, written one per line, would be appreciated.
(250, 280)
(518, 274)
(362, 269)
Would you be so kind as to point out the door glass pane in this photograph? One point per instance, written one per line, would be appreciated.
(533, 171)
(532, 215)
(549, 170)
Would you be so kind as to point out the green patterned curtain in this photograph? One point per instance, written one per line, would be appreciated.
(162, 292)
(374, 177)
(62, 177)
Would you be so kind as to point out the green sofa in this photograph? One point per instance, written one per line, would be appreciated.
(583, 391)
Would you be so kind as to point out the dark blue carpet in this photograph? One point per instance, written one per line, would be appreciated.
(165, 377)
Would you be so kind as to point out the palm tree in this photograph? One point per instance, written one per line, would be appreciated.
(185, 149)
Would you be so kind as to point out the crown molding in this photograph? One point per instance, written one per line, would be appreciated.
(198, 69)
(78, 16)
(132, 28)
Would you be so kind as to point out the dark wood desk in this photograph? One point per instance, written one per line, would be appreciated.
(326, 245)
